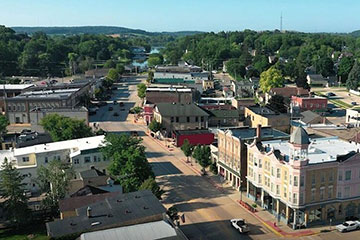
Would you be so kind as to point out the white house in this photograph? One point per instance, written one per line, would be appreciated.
(82, 154)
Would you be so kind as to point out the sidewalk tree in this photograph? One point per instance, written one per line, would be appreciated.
(353, 80)
(141, 89)
(128, 161)
(54, 180)
(63, 128)
(120, 68)
(271, 78)
(150, 77)
(151, 184)
(154, 126)
(113, 74)
(202, 155)
(12, 192)
(187, 149)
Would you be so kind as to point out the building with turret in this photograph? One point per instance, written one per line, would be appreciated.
(305, 181)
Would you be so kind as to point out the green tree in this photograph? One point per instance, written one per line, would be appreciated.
(352, 82)
(150, 77)
(271, 78)
(4, 122)
(12, 192)
(235, 68)
(277, 103)
(113, 74)
(187, 149)
(110, 64)
(325, 66)
(155, 59)
(202, 155)
(155, 126)
(151, 184)
(141, 90)
(345, 66)
(63, 128)
(128, 161)
(54, 180)
(120, 68)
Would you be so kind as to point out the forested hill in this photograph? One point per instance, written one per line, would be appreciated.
(95, 30)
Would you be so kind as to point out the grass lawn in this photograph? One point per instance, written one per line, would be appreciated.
(36, 232)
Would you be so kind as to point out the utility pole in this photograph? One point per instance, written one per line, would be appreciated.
(281, 22)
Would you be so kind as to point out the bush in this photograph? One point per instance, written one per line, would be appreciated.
(254, 205)
(213, 168)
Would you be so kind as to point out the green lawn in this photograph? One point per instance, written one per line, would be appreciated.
(37, 232)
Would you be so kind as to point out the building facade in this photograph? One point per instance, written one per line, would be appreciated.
(305, 181)
(309, 103)
(353, 117)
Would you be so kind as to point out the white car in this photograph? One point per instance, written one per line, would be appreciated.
(348, 226)
(240, 225)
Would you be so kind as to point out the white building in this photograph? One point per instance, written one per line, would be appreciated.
(82, 154)
(353, 117)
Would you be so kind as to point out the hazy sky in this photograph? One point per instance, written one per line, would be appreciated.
(176, 15)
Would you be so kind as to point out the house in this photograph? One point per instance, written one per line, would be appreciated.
(256, 115)
(231, 151)
(176, 116)
(309, 103)
(287, 92)
(242, 89)
(353, 117)
(223, 118)
(195, 137)
(82, 154)
(112, 212)
(305, 181)
(159, 230)
(320, 81)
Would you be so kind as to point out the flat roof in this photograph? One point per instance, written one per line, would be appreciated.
(152, 89)
(15, 86)
(144, 231)
(320, 150)
(58, 93)
(247, 133)
(79, 144)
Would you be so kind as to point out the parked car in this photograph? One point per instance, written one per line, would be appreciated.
(121, 104)
(110, 108)
(134, 133)
(330, 94)
(348, 226)
(354, 103)
(240, 225)
(115, 102)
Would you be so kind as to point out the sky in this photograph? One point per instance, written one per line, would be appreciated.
(179, 15)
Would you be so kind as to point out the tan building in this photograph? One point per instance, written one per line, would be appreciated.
(264, 116)
(208, 84)
(305, 181)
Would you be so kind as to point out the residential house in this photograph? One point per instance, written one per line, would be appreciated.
(231, 151)
(309, 103)
(112, 212)
(256, 115)
(176, 116)
(305, 181)
(320, 81)
(242, 89)
(82, 154)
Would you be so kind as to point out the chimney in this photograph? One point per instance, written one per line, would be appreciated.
(88, 212)
(258, 132)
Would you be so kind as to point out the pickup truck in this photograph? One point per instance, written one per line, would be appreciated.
(240, 225)
(348, 226)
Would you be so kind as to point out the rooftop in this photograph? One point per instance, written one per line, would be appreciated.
(264, 111)
(75, 145)
(320, 150)
(121, 210)
(191, 132)
(152, 230)
(58, 94)
(247, 133)
(180, 110)
(15, 86)
(170, 89)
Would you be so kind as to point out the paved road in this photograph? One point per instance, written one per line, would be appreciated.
(207, 209)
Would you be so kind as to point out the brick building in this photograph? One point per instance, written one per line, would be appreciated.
(309, 103)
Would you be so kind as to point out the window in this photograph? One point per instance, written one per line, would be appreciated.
(251, 157)
(76, 161)
(58, 158)
(301, 198)
(301, 181)
(339, 194)
(347, 192)
(285, 192)
(285, 176)
(272, 187)
(25, 159)
(296, 181)
(95, 158)
(290, 180)
(172, 119)
(340, 175)
(340, 209)
(277, 189)
(187, 119)
(272, 171)
(295, 198)
(202, 119)
(259, 179)
(331, 176)
(330, 191)
(46, 159)
(322, 177)
(322, 190)
(313, 179)
(87, 159)
(278, 175)
(196, 119)
(347, 175)
(260, 163)
(313, 191)
(177, 119)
